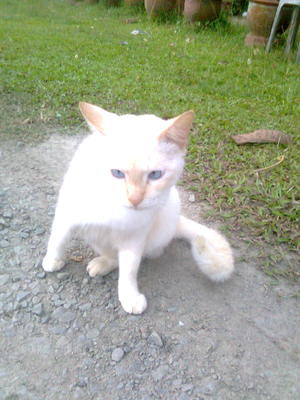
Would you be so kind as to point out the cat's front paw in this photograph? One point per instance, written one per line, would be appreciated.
(52, 264)
(213, 255)
(134, 304)
(101, 265)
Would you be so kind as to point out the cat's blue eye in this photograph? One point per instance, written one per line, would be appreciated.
(155, 175)
(117, 173)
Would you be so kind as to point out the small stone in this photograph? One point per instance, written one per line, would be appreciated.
(93, 333)
(3, 224)
(82, 382)
(38, 309)
(21, 296)
(58, 330)
(4, 243)
(155, 339)
(35, 300)
(85, 307)
(117, 354)
(41, 275)
(187, 387)
(85, 281)
(177, 382)
(68, 304)
(7, 214)
(9, 332)
(192, 198)
(39, 231)
(63, 315)
(4, 279)
(24, 235)
(183, 396)
(62, 276)
(160, 372)
(207, 386)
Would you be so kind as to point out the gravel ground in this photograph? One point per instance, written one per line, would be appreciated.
(65, 336)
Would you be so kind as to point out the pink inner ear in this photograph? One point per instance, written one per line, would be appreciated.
(95, 116)
(178, 130)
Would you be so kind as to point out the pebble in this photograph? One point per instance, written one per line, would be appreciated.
(35, 300)
(155, 339)
(9, 332)
(192, 198)
(187, 387)
(82, 382)
(3, 223)
(160, 372)
(117, 354)
(4, 279)
(38, 309)
(4, 243)
(85, 307)
(68, 304)
(177, 382)
(93, 333)
(21, 296)
(63, 315)
(62, 276)
(41, 275)
(39, 231)
(184, 396)
(58, 330)
(7, 214)
(207, 386)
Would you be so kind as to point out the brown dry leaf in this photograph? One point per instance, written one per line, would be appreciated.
(262, 136)
(76, 258)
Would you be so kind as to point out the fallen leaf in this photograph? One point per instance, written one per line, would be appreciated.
(263, 136)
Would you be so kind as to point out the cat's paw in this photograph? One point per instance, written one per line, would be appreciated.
(213, 255)
(134, 304)
(100, 266)
(52, 264)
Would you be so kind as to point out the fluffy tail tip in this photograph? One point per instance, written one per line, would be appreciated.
(214, 256)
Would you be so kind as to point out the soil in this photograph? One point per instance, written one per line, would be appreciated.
(65, 336)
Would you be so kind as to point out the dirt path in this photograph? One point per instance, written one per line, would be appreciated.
(65, 336)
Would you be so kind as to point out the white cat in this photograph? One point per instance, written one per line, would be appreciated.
(119, 194)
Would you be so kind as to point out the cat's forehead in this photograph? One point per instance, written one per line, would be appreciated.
(139, 126)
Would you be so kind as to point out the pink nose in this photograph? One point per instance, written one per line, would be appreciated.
(136, 198)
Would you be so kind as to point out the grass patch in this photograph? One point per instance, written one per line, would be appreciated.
(55, 54)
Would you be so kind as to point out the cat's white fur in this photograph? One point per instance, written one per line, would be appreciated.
(125, 219)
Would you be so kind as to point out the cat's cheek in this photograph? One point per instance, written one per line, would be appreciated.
(119, 192)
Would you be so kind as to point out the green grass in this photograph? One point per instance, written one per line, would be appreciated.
(55, 54)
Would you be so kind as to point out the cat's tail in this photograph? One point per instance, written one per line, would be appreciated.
(210, 249)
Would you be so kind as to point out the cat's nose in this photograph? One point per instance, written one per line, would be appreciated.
(135, 198)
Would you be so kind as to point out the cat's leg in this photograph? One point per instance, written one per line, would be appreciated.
(60, 233)
(103, 264)
(210, 249)
(131, 299)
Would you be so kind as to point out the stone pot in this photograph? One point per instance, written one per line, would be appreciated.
(155, 8)
(260, 17)
(202, 10)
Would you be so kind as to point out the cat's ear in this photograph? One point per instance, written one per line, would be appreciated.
(178, 129)
(98, 119)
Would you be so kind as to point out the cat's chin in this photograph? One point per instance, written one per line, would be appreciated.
(138, 208)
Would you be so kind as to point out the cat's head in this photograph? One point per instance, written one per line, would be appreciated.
(143, 154)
